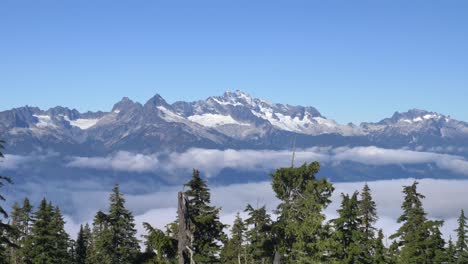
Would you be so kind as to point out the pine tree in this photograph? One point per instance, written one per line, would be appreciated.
(234, 251)
(299, 227)
(450, 252)
(15, 237)
(160, 247)
(47, 242)
(22, 220)
(6, 230)
(380, 256)
(207, 229)
(393, 253)
(82, 244)
(347, 232)
(461, 248)
(368, 215)
(259, 237)
(114, 240)
(101, 244)
(61, 238)
(435, 244)
(413, 233)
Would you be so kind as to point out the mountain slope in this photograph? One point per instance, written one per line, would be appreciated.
(233, 120)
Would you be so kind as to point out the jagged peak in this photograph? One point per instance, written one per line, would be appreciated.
(236, 93)
(238, 96)
(123, 104)
(412, 116)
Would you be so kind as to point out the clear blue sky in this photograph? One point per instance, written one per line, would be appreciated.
(353, 60)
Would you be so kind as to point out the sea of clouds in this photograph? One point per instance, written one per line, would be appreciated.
(212, 161)
(157, 203)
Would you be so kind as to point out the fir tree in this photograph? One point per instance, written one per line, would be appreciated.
(415, 229)
(461, 248)
(347, 232)
(259, 237)
(22, 220)
(435, 244)
(160, 247)
(101, 245)
(380, 256)
(393, 253)
(450, 252)
(410, 233)
(61, 238)
(48, 241)
(368, 215)
(15, 216)
(114, 240)
(207, 229)
(82, 244)
(299, 227)
(234, 251)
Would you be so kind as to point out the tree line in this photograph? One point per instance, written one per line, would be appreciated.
(299, 233)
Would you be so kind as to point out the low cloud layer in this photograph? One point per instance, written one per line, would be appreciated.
(11, 162)
(121, 161)
(212, 161)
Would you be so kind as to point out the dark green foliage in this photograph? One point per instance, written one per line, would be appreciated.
(435, 245)
(259, 236)
(299, 229)
(461, 248)
(347, 232)
(160, 247)
(368, 218)
(419, 239)
(101, 247)
(47, 242)
(380, 255)
(82, 245)
(234, 250)
(61, 238)
(450, 252)
(114, 240)
(393, 252)
(207, 229)
(21, 221)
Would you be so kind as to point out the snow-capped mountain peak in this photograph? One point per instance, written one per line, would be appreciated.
(413, 116)
(232, 119)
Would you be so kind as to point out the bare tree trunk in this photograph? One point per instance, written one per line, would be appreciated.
(184, 236)
(277, 259)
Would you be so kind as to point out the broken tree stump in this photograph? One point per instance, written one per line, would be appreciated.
(184, 235)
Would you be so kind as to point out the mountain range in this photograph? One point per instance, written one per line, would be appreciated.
(234, 120)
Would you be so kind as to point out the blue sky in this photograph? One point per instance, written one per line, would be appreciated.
(353, 60)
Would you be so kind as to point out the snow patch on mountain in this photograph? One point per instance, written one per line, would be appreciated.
(170, 116)
(44, 121)
(225, 102)
(215, 120)
(83, 123)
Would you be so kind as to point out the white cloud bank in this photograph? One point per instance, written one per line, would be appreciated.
(121, 161)
(10, 162)
(212, 161)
